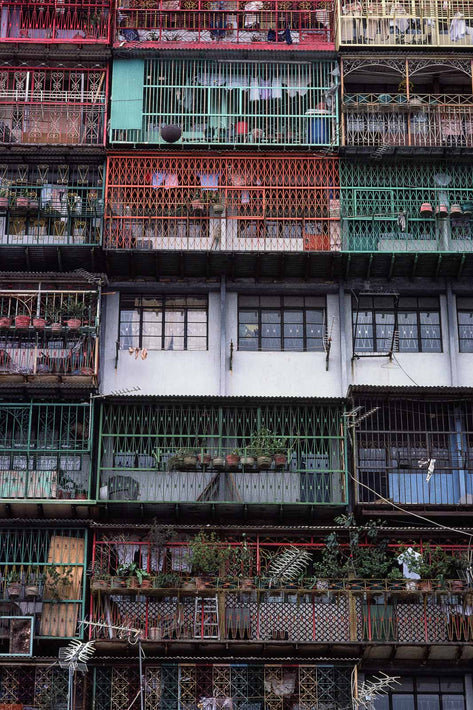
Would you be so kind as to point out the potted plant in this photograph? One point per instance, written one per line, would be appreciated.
(265, 445)
(5, 196)
(218, 462)
(32, 586)
(22, 321)
(33, 202)
(182, 460)
(5, 322)
(39, 323)
(243, 562)
(204, 459)
(75, 311)
(14, 584)
(208, 555)
(22, 200)
(233, 459)
(217, 203)
(166, 580)
(133, 574)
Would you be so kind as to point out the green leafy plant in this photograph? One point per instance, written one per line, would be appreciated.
(132, 570)
(265, 443)
(208, 553)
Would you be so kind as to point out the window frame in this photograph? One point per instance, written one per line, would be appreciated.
(162, 338)
(395, 310)
(463, 309)
(281, 308)
(415, 692)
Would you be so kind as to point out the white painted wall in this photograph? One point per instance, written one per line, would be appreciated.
(425, 369)
(283, 373)
(263, 374)
(163, 372)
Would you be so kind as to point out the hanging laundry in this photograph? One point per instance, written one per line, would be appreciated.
(208, 181)
(457, 27)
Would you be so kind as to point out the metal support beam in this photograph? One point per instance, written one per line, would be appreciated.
(223, 336)
(452, 330)
(344, 357)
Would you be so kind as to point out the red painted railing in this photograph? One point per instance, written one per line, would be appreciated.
(55, 21)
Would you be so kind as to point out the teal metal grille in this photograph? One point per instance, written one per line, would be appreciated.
(226, 102)
(380, 206)
(45, 451)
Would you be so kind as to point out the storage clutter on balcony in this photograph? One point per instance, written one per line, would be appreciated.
(284, 203)
(51, 204)
(229, 103)
(230, 24)
(52, 105)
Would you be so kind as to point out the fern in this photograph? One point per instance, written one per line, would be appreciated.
(289, 565)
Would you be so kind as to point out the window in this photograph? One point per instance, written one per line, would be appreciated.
(415, 324)
(163, 322)
(465, 324)
(292, 323)
(425, 693)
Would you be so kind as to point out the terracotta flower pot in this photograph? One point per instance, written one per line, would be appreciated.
(263, 462)
(232, 460)
(456, 210)
(247, 461)
(22, 321)
(74, 323)
(204, 459)
(4, 203)
(14, 590)
(146, 584)
(218, 462)
(39, 323)
(56, 326)
(426, 209)
(190, 461)
(280, 460)
(22, 202)
(32, 590)
(5, 322)
(441, 210)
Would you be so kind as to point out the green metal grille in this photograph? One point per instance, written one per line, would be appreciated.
(45, 451)
(27, 558)
(226, 102)
(138, 441)
(380, 206)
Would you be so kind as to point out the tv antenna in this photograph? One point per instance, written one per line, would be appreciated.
(74, 658)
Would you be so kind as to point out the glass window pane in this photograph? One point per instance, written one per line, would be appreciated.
(270, 331)
(197, 301)
(293, 316)
(429, 317)
(315, 317)
(248, 344)
(196, 343)
(453, 702)
(315, 331)
(406, 684)
(173, 342)
(151, 343)
(270, 344)
(294, 344)
(452, 685)
(429, 683)
(274, 301)
(403, 702)
(197, 329)
(174, 329)
(196, 316)
(251, 301)
(270, 316)
(292, 330)
(248, 316)
(428, 702)
(293, 301)
(314, 345)
(381, 703)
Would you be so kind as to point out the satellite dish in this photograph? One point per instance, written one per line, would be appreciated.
(171, 133)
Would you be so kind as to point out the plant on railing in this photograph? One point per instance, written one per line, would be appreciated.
(208, 554)
(431, 564)
(167, 580)
(134, 575)
(265, 445)
(183, 460)
(58, 581)
(242, 564)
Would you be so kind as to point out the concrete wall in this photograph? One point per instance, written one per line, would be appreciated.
(276, 373)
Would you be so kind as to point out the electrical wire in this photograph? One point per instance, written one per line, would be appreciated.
(404, 371)
(410, 512)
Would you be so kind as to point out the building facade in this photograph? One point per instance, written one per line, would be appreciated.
(236, 354)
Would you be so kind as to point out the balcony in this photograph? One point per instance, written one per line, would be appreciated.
(45, 454)
(193, 203)
(138, 464)
(52, 106)
(423, 120)
(49, 336)
(351, 618)
(388, 458)
(42, 579)
(406, 24)
(51, 205)
(227, 24)
(225, 684)
(406, 207)
(230, 103)
(55, 21)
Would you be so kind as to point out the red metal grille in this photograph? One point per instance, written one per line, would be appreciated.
(304, 24)
(52, 105)
(285, 203)
(83, 21)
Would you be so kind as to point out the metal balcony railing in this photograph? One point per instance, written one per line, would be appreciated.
(431, 23)
(55, 21)
(426, 120)
(285, 24)
(311, 478)
(295, 616)
(230, 103)
(52, 105)
(171, 202)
